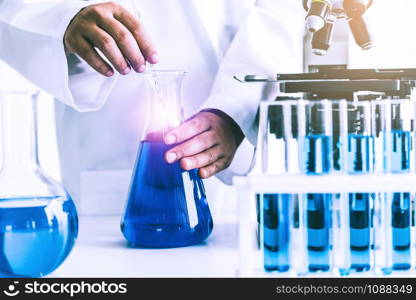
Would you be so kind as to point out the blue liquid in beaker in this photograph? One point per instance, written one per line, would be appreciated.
(401, 212)
(317, 154)
(157, 209)
(276, 233)
(318, 231)
(36, 235)
(401, 231)
(360, 231)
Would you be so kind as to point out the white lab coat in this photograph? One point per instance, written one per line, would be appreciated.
(99, 120)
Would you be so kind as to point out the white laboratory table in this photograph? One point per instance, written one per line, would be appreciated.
(101, 251)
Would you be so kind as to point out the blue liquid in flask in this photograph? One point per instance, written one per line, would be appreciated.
(36, 235)
(157, 210)
(401, 211)
(276, 232)
(318, 231)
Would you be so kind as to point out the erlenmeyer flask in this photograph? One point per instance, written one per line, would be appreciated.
(166, 206)
(38, 220)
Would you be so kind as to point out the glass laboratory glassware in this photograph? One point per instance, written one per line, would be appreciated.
(317, 210)
(279, 155)
(394, 119)
(278, 137)
(166, 206)
(38, 219)
(316, 158)
(275, 213)
(315, 137)
(339, 134)
(360, 160)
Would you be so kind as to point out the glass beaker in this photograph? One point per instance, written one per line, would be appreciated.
(166, 206)
(38, 219)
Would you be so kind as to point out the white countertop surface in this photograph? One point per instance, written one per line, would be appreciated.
(101, 251)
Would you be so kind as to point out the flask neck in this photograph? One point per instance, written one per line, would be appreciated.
(164, 103)
(19, 131)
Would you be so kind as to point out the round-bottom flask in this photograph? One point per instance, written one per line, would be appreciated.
(38, 219)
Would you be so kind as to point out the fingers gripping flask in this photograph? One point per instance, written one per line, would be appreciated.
(38, 219)
(166, 206)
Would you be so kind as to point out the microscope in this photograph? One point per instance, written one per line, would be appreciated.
(329, 25)
(324, 17)
(337, 121)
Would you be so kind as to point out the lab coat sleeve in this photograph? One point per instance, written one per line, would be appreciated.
(31, 42)
(269, 41)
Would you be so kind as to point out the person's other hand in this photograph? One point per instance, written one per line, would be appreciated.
(116, 33)
(208, 142)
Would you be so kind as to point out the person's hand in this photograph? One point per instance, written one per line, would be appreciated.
(208, 142)
(116, 33)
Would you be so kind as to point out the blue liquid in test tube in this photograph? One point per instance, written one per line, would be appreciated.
(318, 155)
(318, 232)
(401, 231)
(401, 150)
(401, 213)
(360, 153)
(360, 160)
(276, 232)
(360, 231)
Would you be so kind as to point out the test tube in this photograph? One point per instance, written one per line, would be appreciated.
(318, 231)
(315, 137)
(315, 148)
(340, 134)
(278, 136)
(395, 119)
(401, 231)
(360, 161)
(278, 146)
(402, 134)
(276, 231)
(340, 202)
(360, 138)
